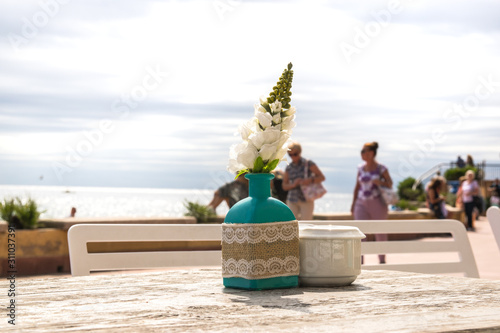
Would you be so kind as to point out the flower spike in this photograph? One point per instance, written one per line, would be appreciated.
(267, 134)
(281, 91)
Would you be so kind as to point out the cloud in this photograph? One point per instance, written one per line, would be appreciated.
(442, 17)
(63, 82)
(455, 17)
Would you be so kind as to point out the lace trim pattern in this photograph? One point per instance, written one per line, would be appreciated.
(259, 232)
(261, 269)
(260, 250)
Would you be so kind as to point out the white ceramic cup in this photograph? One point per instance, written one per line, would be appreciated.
(329, 255)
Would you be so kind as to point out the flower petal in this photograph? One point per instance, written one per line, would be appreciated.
(268, 150)
(264, 118)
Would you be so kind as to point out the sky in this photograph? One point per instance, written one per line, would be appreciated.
(151, 93)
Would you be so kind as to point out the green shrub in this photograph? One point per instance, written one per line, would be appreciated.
(456, 173)
(201, 212)
(422, 198)
(451, 199)
(7, 208)
(405, 204)
(19, 214)
(27, 213)
(406, 192)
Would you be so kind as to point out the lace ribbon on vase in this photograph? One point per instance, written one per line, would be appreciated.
(260, 250)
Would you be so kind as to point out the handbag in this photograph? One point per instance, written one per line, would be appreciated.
(444, 211)
(389, 196)
(312, 191)
(478, 203)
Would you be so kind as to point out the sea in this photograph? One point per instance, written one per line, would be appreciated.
(57, 201)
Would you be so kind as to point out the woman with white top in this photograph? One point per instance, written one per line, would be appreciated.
(470, 188)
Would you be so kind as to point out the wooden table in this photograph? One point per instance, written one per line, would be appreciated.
(195, 300)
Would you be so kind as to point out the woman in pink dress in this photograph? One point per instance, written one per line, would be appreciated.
(368, 203)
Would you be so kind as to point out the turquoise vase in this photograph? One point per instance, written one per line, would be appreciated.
(259, 208)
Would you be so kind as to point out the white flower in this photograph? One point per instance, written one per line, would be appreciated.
(288, 123)
(268, 150)
(265, 119)
(234, 166)
(270, 135)
(242, 156)
(277, 118)
(259, 108)
(275, 107)
(248, 155)
(248, 128)
(289, 112)
(263, 100)
(280, 154)
(284, 137)
(276, 149)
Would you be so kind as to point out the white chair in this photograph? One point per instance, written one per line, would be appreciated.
(493, 215)
(82, 262)
(459, 243)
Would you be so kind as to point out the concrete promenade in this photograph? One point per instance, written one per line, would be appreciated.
(485, 250)
(484, 247)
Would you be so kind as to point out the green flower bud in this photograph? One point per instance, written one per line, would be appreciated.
(281, 91)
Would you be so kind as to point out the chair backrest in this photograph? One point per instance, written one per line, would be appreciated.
(493, 215)
(459, 243)
(82, 262)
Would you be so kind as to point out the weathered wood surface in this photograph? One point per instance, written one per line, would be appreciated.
(195, 300)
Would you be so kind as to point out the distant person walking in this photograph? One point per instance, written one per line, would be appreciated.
(277, 190)
(460, 162)
(368, 203)
(231, 192)
(495, 193)
(294, 177)
(470, 161)
(435, 199)
(470, 188)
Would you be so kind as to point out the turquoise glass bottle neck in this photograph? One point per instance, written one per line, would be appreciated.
(259, 185)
